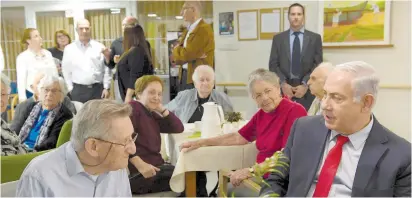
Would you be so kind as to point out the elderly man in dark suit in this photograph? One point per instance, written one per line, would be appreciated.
(345, 152)
(294, 55)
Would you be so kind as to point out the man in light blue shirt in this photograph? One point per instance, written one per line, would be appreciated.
(93, 163)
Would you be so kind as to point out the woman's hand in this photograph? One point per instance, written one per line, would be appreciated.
(237, 177)
(188, 146)
(147, 170)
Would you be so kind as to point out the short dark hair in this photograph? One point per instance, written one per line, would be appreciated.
(296, 5)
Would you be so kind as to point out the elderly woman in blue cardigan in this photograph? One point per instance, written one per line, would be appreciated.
(188, 103)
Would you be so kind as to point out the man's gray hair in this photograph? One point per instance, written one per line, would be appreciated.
(365, 79)
(205, 68)
(262, 75)
(49, 80)
(93, 120)
(5, 80)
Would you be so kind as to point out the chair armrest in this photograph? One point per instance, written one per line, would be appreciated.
(13, 166)
(224, 179)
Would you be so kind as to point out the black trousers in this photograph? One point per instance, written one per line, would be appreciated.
(160, 182)
(84, 93)
(183, 81)
(307, 99)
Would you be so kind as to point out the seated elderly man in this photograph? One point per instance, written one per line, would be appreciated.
(44, 119)
(93, 163)
(316, 82)
(345, 152)
(188, 103)
(25, 107)
(10, 142)
(269, 127)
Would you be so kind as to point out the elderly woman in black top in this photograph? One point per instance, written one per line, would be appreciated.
(134, 62)
(45, 119)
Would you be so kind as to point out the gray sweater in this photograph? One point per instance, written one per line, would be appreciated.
(186, 102)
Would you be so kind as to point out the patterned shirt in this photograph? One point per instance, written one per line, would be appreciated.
(10, 142)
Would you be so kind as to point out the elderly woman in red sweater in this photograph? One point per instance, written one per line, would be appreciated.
(270, 126)
(148, 171)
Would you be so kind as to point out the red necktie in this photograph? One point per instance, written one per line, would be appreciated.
(329, 168)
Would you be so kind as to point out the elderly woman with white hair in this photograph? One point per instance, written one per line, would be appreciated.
(188, 103)
(269, 127)
(45, 119)
(10, 142)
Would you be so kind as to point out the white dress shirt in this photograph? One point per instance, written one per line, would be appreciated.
(190, 29)
(28, 65)
(351, 152)
(84, 64)
(59, 173)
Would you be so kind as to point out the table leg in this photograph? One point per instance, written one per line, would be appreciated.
(223, 180)
(190, 180)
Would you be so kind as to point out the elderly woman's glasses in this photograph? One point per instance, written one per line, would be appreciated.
(128, 142)
(53, 91)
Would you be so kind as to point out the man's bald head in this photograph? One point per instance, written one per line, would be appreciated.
(318, 77)
(129, 21)
(35, 83)
(83, 30)
(191, 11)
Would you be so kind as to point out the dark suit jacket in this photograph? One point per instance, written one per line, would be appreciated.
(23, 109)
(384, 167)
(132, 66)
(201, 41)
(280, 60)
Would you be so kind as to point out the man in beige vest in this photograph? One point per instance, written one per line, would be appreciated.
(316, 82)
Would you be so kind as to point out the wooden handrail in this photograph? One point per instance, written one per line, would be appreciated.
(224, 179)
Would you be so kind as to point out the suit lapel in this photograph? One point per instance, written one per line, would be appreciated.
(372, 152)
(306, 39)
(315, 153)
(286, 42)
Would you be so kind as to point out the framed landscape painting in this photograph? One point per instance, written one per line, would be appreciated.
(352, 23)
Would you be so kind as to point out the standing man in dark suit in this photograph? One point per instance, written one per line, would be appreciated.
(345, 152)
(294, 55)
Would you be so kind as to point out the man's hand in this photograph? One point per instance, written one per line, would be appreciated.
(116, 59)
(105, 93)
(189, 146)
(300, 91)
(287, 90)
(107, 53)
(147, 170)
(237, 177)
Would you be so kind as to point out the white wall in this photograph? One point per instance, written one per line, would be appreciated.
(235, 60)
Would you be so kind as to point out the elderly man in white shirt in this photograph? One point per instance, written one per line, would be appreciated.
(316, 82)
(94, 162)
(83, 67)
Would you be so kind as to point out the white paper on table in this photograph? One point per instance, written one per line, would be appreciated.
(286, 24)
(248, 25)
(270, 22)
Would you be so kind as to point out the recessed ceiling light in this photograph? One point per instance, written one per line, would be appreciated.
(179, 17)
(151, 15)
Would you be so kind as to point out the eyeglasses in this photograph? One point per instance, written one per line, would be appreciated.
(53, 91)
(128, 142)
